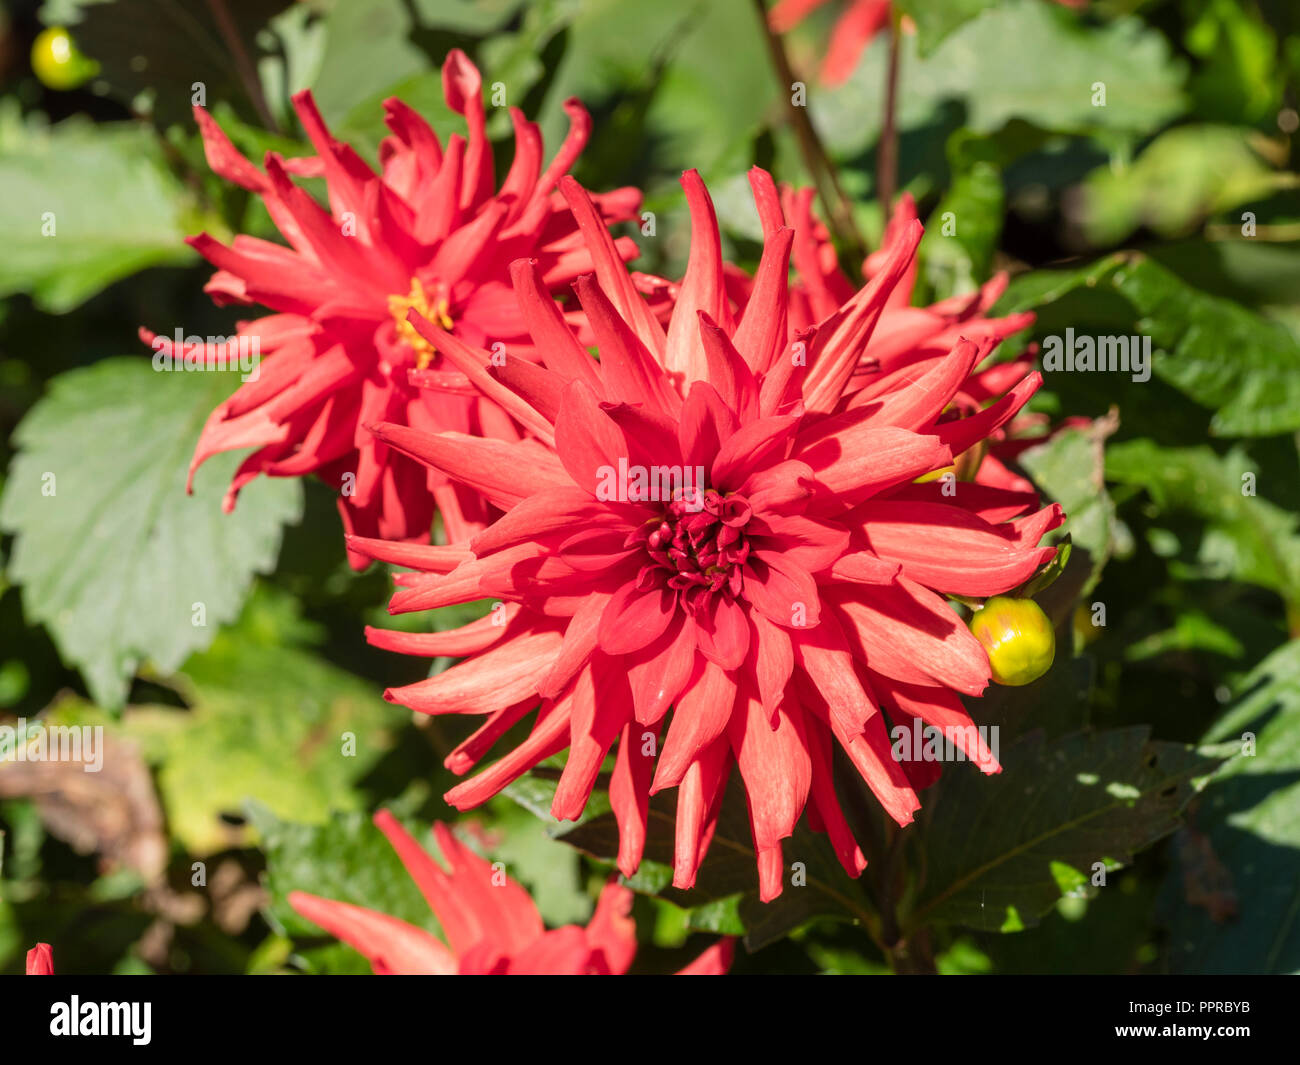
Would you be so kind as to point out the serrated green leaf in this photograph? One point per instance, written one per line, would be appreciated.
(1039, 287)
(1255, 392)
(112, 555)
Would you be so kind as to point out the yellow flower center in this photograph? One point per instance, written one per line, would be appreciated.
(436, 309)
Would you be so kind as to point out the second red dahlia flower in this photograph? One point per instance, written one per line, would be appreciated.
(431, 231)
(490, 924)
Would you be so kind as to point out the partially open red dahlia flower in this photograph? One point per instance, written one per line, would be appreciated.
(910, 340)
(432, 231)
(490, 924)
(703, 524)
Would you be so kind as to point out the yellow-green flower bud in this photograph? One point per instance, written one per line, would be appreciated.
(1018, 638)
(57, 61)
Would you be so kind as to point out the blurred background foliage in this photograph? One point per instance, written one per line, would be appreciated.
(1171, 211)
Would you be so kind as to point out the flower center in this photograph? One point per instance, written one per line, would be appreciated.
(700, 543)
(433, 305)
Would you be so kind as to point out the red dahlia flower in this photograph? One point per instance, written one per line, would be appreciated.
(431, 232)
(703, 525)
(40, 960)
(490, 924)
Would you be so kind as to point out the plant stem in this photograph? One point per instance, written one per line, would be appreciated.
(887, 151)
(908, 955)
(835, 203)
(243, 65)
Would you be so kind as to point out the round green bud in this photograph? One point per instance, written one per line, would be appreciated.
(1017, 637)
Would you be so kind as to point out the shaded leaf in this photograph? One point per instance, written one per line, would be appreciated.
(1248, 539)
(1233, 898)
(1001, 850)
(166, 49)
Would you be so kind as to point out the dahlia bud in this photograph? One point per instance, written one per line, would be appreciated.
(57, 61)
(1018, 638)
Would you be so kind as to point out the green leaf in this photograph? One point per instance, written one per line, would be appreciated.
(300, 748)
(548, 870)
(1041, 287)
(1238, 78)
(1249, 538)
(1069, 468)
(1192, 630)
(1024, 59)
(995, 846)
(689, 83)
(935, 19)
(374, 48)
(1182, 177)
(958, 246)
(85, 206)
(1256, 392)
(113, 556)
(367, 50)
(1233, 900)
